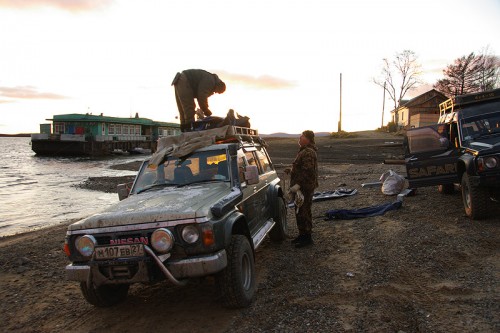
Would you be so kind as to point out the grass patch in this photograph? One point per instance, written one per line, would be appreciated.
(343, 135)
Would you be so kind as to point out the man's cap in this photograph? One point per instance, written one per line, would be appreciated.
(309, 135)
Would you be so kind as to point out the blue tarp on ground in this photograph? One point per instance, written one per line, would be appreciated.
(349, 214)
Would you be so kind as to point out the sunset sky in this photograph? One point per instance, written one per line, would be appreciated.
(281, 60)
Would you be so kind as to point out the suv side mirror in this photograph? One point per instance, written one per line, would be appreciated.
(123, 190)
(252, 174)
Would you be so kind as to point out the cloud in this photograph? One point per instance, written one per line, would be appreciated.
(27, 92)
(68, 5)
(261, 82)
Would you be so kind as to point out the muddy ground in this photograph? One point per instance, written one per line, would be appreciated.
(422, 268)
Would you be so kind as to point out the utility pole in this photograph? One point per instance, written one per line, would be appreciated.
(340, 116)
(383, 107)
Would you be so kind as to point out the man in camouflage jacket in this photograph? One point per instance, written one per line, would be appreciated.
(304, 177)
(191, 84)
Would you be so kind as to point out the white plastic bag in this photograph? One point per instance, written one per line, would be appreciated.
(392, 183)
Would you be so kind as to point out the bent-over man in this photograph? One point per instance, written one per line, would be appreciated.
(191, 84)
(304, 177)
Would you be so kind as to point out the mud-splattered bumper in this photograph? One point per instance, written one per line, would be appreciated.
(121, 273)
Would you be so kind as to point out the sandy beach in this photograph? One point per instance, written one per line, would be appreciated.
(422, 268)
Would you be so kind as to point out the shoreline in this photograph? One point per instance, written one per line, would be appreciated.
(424, 267)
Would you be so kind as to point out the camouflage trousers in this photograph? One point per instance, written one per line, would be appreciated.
(304, 216)
(184, 96)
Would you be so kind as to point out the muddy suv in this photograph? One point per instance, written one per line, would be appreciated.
(194, 210)
(463, 149)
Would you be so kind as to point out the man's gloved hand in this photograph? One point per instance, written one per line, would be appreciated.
(207, 113)
(294, 188)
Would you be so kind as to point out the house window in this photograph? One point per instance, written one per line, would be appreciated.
(118, 129)
(58, 128)
(137, 129)
(111, 129)
(125, 129)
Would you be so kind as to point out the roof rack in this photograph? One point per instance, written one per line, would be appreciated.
(240, 134)
(457, 102)
(446, 107)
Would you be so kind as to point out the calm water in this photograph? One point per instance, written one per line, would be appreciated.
(37, 191)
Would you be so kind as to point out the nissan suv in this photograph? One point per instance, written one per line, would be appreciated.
(197, 208)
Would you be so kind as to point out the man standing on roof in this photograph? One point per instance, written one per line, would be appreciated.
(191, 84)
(304, 178)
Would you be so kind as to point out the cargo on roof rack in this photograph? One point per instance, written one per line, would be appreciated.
(187, 142)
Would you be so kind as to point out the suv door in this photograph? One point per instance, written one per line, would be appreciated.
(250, 203)
(430, 157)
(266, 176)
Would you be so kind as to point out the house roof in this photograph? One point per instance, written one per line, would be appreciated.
(77, 117)
(420, 99)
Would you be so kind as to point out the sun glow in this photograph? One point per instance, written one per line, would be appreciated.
(119, 58)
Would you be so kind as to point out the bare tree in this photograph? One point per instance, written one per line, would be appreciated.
(399, 76)
(489, 73)
(469, 74)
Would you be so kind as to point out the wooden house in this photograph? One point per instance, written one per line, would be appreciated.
(420, 111)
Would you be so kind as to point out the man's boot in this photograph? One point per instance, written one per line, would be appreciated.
(305, 241)
(297, 239)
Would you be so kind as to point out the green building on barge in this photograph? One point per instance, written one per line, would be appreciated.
(95, 135)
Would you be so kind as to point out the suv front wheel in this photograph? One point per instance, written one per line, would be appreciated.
(280, 230)
(236, 283)
(475, 199)
(105, 295)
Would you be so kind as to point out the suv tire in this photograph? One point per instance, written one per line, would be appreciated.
(236, 283)
(475, 199)
(280, 230)
(105, 295)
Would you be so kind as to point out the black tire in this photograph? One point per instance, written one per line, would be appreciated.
(475, 199)
(236, 283)
(446, 189)
(105, 295)
(280, 230)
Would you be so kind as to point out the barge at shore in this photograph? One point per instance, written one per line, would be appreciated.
(97, 135)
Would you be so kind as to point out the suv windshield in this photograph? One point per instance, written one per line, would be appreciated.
(481, 126)
(199, 167)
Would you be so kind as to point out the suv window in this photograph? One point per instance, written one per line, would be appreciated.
(199, 167)
(427, 140)
(263, 161)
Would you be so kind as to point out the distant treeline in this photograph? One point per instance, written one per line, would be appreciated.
(21, 135)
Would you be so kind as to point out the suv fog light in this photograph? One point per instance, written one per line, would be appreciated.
(85, 245)
(162, 240)
(490, 162)
(190, 234)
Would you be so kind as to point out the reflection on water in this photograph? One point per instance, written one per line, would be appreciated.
(37, 191)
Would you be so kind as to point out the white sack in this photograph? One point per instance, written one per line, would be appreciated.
(392, 183)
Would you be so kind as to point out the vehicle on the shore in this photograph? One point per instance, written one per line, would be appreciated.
(462, 150)
(195, 209)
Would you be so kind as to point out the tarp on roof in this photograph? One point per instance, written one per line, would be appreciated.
(187, 142)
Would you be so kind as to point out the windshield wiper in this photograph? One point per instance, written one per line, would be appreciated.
(149, 187)
(203, 181)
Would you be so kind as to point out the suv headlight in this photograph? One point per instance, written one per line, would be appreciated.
(490, 162)
(486, 163)
(162, 240)
(85, 245)
(190, 234)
